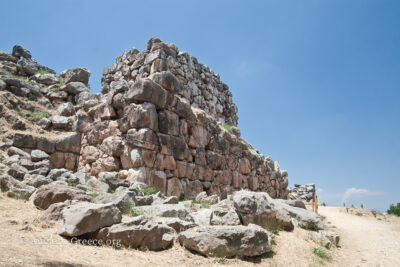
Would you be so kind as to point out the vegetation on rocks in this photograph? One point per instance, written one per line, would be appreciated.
(322, 253)
(149, 191)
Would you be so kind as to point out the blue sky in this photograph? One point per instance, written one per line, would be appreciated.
(316, 82)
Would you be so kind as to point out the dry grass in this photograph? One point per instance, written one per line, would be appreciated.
(18, 248)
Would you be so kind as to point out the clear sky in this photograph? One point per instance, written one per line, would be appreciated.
(317, 82)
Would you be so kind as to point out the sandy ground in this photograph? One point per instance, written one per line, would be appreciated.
(365, 241)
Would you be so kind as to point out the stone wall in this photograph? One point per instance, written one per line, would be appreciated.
(170, 122)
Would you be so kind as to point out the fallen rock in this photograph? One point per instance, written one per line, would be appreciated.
(15, 188)
(227, 241)
(320, 239)
(224, 213)
(201, 217)
(38, 155)
(54, 212)
(255, 207)
(142, 232)
(83, 218)
(163, 210)
(49, 194)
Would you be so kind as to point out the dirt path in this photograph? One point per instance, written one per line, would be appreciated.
(365, 240)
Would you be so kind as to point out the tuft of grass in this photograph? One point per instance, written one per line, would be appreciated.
(359, 214)
(60, 82)
(37, 115)
(228, 128)
(21, 78)
(72, 184)
(42, 72)
(205, 205)
(323, 217)
(93, 195)
(379, 219)
(50, 106)
(322, 253)
(275, 229)
(128, 210)
(149, 191)
(268, 255)
(16, 195)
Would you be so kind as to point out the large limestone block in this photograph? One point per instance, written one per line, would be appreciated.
(227, 241)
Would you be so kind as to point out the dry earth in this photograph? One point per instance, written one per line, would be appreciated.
(366, 241)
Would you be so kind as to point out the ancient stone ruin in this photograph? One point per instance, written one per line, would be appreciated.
(164, 119)
(160, 145)
(171, 123)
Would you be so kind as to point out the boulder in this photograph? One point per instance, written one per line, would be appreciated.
(49, 194)
(38, 155)
(97, 185)
(69, 143)
(224, 213)
(176, 223)
(320, 239)
(15, 188)
(306, 219)
(201, 217)
(76, 75)
(83, 218)
(255, 207)
(332, 236)
(145, 90)
(66, 109)
(36, 180)
(17, 171)
(124, 200)
(75, 88)
(142, 232)
(60, 122)
(16, 151)
(54, 212)
(163, 210)
(167, 80)
(227, 241)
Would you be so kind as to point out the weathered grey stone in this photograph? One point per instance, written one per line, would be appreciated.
(167, 80)
(168, 123)
(69, 143)
(39, 155)
(76, 75)
(49, 194)
(224, 213)
(320, 239)
(44, 123)
(163, 210)
(142, 232)
(97, 185)
(83, 218)
(75, 88)
(178, 224)
(255, 207)
(227, 241)
(15, 188)
(66, 109)
(143, 138)
(60, 122)
(17, 171)
(24, 140)
(36, 180)
(145, 90)
(54, 212)
(122, 200)
(143, 116)
(12, 151)
(201, 217)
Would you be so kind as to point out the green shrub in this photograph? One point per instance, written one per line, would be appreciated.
(322, 253)
(72, 184)
(50, 106)
(22, 78)
(394, 209)
(228, 128)
(42, 72)
(128, 210)
(205, 205)
(37, 115)
(148, 191)
(359, 214)
(275, 229)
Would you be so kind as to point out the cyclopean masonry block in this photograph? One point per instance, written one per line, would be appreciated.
(171, 121)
